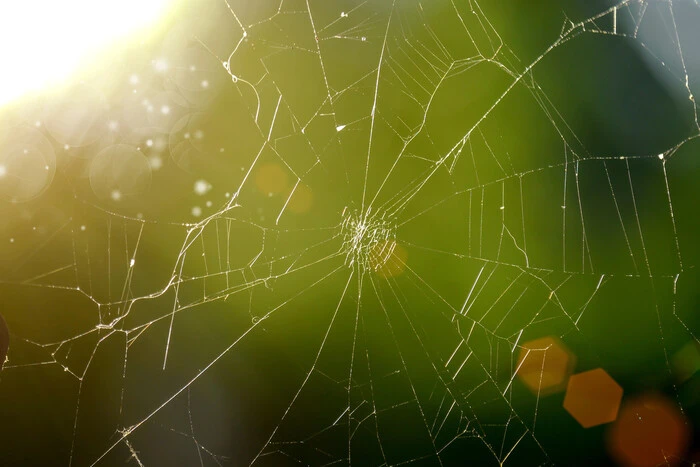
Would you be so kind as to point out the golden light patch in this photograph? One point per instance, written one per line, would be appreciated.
(271, 179)
(302, 199)
(388, 259)
(544, 365)
(593, 398)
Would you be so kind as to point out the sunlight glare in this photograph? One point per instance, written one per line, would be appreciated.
(43, 41)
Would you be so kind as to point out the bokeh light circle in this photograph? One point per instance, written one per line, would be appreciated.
(77, 116)
(650, 430)
(27, 163)
(120, 171)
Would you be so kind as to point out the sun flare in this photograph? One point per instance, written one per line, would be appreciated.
(42, 42)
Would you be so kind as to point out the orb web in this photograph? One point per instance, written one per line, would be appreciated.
(342, 225)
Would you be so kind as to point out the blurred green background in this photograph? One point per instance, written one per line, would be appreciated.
(537, 162)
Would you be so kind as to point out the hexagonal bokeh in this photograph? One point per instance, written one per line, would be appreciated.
(544, 365)
(593, 398)
(650, 431)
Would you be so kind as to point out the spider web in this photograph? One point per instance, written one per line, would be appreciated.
(389, 200)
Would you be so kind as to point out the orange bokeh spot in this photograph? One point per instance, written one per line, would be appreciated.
(302, 199)
(593, 398)
(271, 179)
(388, 259)
(650, 431)
(544, 365)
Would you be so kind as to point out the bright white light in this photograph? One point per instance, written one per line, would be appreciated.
(201, 187)
(43, 41)
(155, 162)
